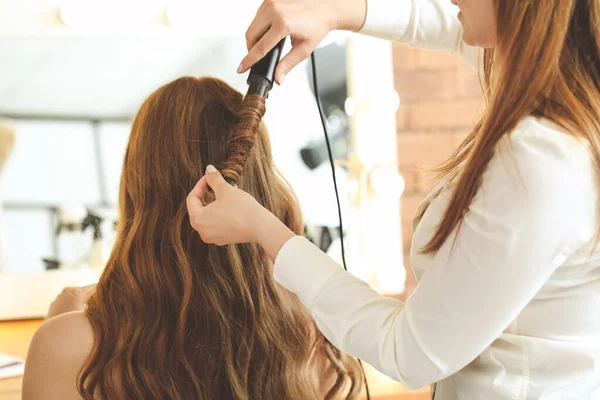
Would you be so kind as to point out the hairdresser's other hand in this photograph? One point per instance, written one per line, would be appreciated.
(234, 216)
(306, 21)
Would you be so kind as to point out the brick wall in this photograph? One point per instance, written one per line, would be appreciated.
(440, 97)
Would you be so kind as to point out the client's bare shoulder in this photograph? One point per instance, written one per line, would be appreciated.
(57, 352)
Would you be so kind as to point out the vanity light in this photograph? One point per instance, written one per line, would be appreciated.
(350, 106)
(225, 18)
(386, 101)
(111, 16)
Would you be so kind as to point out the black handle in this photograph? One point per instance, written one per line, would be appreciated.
(262, 74)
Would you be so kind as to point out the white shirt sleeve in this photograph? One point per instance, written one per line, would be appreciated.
(535, 206)
(428, 24)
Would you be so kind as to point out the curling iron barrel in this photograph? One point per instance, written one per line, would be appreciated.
(261, 78)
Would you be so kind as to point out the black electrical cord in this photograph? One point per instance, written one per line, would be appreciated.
(337, 195)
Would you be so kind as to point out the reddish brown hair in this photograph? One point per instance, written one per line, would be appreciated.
(175, 318)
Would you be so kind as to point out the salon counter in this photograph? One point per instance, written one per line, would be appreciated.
(16, 335)
(14, 340)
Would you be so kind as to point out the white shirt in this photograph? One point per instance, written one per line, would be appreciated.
(513, 312)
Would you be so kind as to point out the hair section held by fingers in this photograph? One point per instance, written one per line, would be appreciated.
(243, 136)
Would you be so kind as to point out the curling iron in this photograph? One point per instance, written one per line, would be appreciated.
(260, 82)
(262, 75)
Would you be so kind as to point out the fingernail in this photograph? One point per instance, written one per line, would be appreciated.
(240, 68)
(281, 78)
(210, 169)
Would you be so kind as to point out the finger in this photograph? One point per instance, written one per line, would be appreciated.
(263, 46)
(259, 26)
(200, 188)
(299, 53)
(215, 180)
(194, 199)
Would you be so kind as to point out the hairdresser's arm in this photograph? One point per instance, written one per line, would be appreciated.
(431, 24)
(532, 211)
(424, 23)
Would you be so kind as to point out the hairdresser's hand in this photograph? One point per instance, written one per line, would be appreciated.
(234, 216)
(306, 21)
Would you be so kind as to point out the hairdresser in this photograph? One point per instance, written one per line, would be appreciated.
(508, 304)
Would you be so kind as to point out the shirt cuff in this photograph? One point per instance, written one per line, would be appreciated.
(303, 268)
(387, 19)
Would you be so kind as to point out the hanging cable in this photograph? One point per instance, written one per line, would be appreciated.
(335, 186)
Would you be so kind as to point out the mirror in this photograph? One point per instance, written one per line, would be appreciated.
(72, 76)
(66, 106)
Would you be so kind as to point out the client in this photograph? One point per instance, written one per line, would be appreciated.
(173, 317)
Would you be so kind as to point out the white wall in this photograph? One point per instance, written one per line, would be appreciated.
(55, 162)
(52, 163)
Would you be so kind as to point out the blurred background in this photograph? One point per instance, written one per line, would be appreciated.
(73, 74)
(70, 102)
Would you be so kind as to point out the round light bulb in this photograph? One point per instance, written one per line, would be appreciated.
(350, 106)
(72, 213)
(387, 181)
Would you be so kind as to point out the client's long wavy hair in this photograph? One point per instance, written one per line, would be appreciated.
(175, 318)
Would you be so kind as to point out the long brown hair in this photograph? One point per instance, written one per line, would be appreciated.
(175, 318)
(546, 64)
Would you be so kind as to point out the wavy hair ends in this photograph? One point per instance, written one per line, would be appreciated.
(175, 318)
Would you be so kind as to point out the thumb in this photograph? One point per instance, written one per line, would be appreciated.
(215, 180)
(194, 199)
